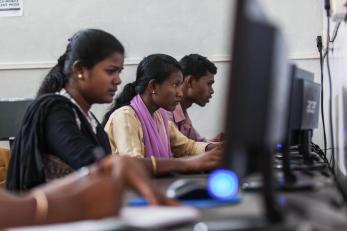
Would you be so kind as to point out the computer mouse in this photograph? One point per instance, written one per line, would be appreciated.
(188, 189)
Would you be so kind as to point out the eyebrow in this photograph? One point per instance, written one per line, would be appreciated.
(117, 67)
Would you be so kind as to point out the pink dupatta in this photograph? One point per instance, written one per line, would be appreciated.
(155, 137)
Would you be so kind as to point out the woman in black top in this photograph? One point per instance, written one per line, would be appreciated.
(59, 134)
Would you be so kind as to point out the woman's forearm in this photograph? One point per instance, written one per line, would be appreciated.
(64, 203)
(63, 208)
(85, 202)
(166, 166)
(16, 211)
(69, 199)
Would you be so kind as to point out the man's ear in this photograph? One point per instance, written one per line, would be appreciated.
(188, 80)
(77, 70)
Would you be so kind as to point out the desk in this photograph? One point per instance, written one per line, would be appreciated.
(323, 207)
(303, 210)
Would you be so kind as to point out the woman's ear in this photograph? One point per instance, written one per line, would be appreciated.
(152, 87)
(77, 70)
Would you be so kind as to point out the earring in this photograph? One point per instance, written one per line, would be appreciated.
(153, 92)
(80, 76)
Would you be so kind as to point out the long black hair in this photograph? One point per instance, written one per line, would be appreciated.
(89, 46)
(156, 66)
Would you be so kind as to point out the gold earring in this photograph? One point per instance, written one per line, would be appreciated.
(80, 76)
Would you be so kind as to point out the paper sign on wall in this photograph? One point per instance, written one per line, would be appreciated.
(11, 8)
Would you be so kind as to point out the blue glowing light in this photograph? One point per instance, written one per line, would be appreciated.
(223, 184)
(279, 146)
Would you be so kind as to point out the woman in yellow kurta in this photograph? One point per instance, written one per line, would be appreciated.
(137, 123)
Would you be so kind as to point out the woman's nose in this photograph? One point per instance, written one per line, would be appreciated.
(179, 92)
(117, 80)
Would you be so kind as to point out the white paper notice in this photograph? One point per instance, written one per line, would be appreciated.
(11, 8)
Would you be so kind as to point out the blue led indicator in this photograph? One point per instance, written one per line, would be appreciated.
(223, 184)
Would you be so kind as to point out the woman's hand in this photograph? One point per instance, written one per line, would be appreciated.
(100, 193)
(214, 145)
(206, 161)
(135, 176)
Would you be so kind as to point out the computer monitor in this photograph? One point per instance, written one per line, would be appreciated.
(305, 99)
(258, 94)
(303, 118)
(12, 112)
(304, 114)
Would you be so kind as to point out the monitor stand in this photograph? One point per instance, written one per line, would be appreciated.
(305, 149)
(273, 214)
(291, 180)
(288, 181)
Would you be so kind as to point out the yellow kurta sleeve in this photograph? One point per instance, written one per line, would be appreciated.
(183, 146)
(125, 133)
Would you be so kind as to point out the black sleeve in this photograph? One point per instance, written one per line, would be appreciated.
(64, 138)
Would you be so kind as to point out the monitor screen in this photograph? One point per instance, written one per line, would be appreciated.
(12, 112)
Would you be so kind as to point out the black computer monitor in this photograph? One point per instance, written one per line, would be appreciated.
(11, 115)
(304, 111)
(305, 98)
(258, 94)
(303, 118)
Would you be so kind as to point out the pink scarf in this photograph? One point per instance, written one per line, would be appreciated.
(156, 138)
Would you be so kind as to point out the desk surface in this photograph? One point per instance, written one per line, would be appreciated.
(323, 207)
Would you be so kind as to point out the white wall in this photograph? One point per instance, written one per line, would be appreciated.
(30, 44)
(176, 27)
(338, 63)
